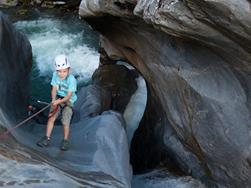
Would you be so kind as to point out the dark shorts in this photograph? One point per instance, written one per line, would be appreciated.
(65, 109)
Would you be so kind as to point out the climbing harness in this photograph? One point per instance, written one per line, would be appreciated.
(54, 111)
(24, 121)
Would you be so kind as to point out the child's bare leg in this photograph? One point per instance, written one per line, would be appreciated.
(45, 141)
(66, 131)
(50, 125)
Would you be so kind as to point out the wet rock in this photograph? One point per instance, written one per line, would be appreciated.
(52, 4)
(100, 7)
(8, 3)
(21, 168)
(30, 174)
(65, 4)
(161, 178)
(117, 84)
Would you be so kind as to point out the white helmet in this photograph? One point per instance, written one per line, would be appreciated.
(61, 62)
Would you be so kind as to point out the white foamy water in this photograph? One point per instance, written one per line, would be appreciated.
(136, 106)
(135, 109)
(52, 37)
(161, 178)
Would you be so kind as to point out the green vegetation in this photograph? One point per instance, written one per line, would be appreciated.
(25, 6)
(25, 2)
(22, 11)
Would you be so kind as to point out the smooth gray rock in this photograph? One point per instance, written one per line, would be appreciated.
(195, 57)
(160, 178)
(15, 66)
(17, 174)
(99, 7)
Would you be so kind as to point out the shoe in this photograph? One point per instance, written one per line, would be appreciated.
(44, 142)
(64, 145)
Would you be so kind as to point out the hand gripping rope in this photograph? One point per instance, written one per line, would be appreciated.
(53, 112)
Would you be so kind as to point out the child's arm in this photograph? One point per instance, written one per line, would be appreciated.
(66, 98)
(53, 93)
(54, 88)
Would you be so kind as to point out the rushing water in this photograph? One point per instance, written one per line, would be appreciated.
(50, 37)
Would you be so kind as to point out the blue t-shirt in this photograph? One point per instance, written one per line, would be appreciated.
(64, 86)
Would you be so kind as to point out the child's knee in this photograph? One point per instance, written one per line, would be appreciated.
(66, 125)
(52, 119)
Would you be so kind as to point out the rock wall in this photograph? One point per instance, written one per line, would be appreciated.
(195, 57)
(14, 76)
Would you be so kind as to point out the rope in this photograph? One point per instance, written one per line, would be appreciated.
(55, 110)
(24, 121)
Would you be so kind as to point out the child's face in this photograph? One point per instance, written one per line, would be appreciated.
(63, 73)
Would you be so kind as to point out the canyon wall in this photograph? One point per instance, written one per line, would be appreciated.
(195, 58)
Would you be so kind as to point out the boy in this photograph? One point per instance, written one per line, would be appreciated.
(64, 86)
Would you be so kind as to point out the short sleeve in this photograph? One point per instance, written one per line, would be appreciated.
(72, 84)
(53, 80)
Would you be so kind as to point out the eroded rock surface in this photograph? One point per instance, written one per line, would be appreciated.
(195, 57)
(20, 169)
